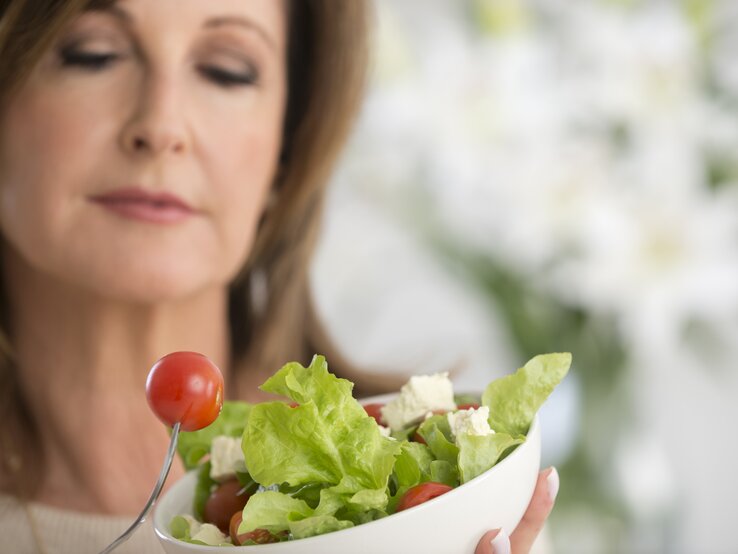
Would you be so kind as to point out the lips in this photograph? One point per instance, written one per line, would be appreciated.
(141, 205)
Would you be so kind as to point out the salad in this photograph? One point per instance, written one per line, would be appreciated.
(321, 462)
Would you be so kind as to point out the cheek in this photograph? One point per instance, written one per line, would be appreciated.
(242, 173)
(45, 149)
(50, 134)
(31, 168)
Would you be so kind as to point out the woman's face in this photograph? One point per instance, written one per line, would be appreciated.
(137, 159)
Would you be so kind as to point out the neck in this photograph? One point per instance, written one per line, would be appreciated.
(83, 362)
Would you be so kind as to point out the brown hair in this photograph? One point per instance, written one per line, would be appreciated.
(327, 69)
(276, 323)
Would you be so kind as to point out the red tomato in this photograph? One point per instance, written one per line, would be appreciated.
(222, 502)
(468, 406)
(186, 388)
(375, 411)
(421, 493)
(259, 536)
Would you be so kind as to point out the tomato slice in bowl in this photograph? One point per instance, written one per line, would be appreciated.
(374, 409)
(421, 493)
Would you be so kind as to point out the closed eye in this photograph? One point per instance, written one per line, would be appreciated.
(92, 61)
(226, 78)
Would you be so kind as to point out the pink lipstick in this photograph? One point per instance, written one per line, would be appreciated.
(150, 207)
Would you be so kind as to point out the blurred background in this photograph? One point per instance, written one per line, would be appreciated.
(560, 175)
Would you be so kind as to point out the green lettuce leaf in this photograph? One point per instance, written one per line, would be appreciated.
(368, 499)
(479, 453)
(310, 493)
(358, 508)
(273, 511)
(327, 439)
(514, 400)
(461, 399)
(404, 434)
(413, 465)
(444, 472)
(317, 525)
(192, 446)
(331, 501)
(395, 499)
(437, 434)
(289, 445)
(180, 528)
(203, 488)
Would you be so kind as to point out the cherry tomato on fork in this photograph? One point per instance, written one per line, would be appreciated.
(421, 493)
(185, 388)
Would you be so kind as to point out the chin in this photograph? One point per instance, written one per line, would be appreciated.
(158, 290)
(161, 282)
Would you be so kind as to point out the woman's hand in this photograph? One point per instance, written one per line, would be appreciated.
(521, 541)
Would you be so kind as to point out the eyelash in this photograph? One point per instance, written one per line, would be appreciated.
(229, 79)
(87, 60)
(99, 61)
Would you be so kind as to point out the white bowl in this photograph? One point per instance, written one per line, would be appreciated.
(451, 523)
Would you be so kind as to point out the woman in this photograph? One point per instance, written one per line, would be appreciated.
(162, 167)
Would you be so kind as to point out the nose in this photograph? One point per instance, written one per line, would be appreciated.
(156, 125)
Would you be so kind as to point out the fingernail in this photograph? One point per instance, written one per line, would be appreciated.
(500, 543)
(553, 483)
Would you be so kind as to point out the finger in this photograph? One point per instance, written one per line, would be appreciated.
(494, 542)
(535, 516)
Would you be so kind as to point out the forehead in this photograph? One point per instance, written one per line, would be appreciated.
(267, 17)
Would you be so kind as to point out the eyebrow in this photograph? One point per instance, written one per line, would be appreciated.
(119, 12)
(241, 22)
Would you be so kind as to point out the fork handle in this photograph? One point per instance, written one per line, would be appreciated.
(154, 494)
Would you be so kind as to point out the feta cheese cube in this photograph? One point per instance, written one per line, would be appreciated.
(471, 422)
(210, 535)
(420, 395)
(226, 457)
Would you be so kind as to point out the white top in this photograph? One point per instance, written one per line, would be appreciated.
(68, 532)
